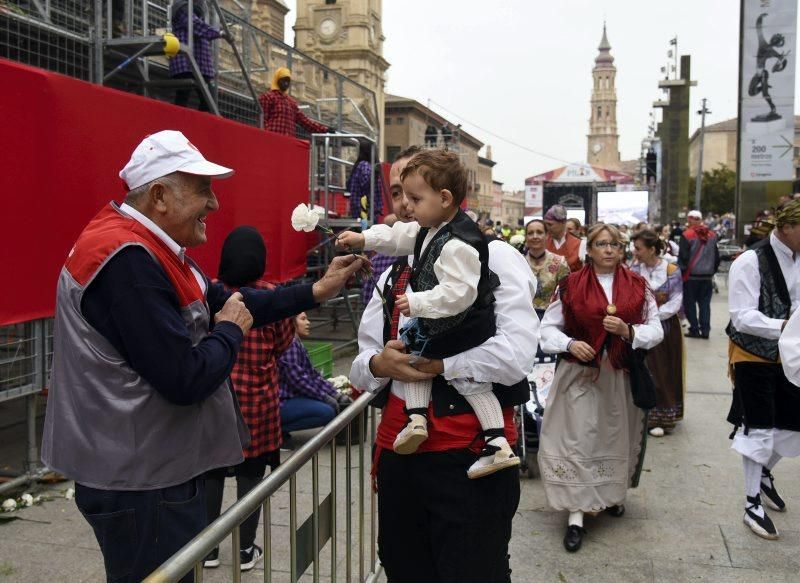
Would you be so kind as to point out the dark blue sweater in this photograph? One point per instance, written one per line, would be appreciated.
(133, 305)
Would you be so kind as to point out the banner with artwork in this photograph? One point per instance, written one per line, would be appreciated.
(767, 91)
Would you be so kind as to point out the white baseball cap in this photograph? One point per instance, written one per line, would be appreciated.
(166, 152)
(695, 215)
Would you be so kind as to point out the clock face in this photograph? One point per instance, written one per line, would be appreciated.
(596, 148)
(327, 27)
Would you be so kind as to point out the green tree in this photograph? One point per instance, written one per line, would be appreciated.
(717, 190)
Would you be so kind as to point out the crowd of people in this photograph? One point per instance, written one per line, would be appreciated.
(215, 375)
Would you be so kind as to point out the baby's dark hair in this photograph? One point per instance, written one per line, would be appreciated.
(440, 169)
(650, 239)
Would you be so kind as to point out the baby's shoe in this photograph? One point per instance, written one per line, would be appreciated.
(413, 434)
(496, 455)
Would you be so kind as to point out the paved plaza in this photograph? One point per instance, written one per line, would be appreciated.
(684, 523)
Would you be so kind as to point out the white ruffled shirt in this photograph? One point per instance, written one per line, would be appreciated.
(646, 335)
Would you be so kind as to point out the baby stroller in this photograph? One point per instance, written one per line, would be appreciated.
(528, 416)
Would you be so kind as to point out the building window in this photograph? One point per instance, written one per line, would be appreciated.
(388, 121)
(400, 121)
(392, 152)
(599, 112)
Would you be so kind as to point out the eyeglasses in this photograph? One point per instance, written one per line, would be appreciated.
(604, 244)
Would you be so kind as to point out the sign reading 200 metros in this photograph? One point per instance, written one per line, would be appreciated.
(767, 92)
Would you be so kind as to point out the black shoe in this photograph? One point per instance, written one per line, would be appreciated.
(762, 526)
(574, 538)
(212, 559)
(617, 510)
(773, 499)
(250, 557)
(704, 335)
(691, 334)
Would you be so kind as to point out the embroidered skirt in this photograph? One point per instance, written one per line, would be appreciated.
(592, 440)
(666, 365)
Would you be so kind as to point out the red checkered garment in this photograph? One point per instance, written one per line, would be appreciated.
(281, 115)
(255, 379)
(398, 290)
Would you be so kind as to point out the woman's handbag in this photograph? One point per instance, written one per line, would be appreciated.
(643, 389)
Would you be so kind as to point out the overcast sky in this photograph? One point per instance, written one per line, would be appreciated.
(521, 69)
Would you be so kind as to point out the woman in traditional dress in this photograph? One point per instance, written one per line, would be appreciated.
(548, 268)
(665, 360)
(591, 445)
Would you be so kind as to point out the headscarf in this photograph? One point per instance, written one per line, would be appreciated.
(556, 213)
(279, 74)
(244, 257)
(788, 213)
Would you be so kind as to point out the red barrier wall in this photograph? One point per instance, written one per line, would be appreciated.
(62, 145)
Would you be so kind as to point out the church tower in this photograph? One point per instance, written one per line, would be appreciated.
(345, 35)
(603, 145)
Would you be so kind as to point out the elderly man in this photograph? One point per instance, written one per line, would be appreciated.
(698, 258)
(435, 524)
(763, 292)
(560, 241)
(140, 404)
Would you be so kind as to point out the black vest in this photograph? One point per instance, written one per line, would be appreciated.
(773, 301)
(446, 400)
(456, 334)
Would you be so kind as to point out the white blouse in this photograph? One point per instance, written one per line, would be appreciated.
(656, 277)
(458, 268)
(646, 335)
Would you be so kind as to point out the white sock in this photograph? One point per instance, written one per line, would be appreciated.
(576, 519)
(773, 460)
(418, 394)
(752, 483)
(489, 412)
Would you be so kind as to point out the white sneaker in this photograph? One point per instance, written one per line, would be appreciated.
(657, 432)
(412, 436)
(502, 457)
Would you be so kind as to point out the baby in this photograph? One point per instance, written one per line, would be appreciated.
(451, 304)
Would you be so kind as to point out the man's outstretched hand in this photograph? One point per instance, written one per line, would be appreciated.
(340, 270)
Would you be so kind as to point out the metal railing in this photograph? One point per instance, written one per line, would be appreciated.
(318, 538)
(25, 359)
(87, 39)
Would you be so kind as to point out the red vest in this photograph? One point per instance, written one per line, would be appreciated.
(570, 250)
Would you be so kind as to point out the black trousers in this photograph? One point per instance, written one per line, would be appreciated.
(182, 95)
(438, 526)
(763, 398)
(248, 474)
(697, 302)
(137, 531)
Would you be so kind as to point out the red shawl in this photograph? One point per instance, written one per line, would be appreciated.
(584, 305)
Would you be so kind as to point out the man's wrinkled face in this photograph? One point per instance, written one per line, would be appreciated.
(188, 201)
(399, 200)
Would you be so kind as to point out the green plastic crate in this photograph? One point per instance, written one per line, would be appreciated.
(321, 355)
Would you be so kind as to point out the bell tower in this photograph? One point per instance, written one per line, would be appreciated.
(345, 35)
(603, 143)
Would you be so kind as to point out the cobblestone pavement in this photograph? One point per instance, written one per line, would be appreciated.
(684, 522)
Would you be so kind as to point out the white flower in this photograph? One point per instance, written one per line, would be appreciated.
(340, 382)
(69, 494)
(516, 240)
(305, 218)
(9, 505)
(27, 500)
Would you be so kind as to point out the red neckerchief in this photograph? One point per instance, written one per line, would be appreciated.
(584, 305)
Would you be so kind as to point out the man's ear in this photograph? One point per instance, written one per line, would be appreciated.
(157, 196)
(447, 198)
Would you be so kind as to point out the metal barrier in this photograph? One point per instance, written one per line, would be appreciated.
(318, 535)
(88, 39)
(25, 354)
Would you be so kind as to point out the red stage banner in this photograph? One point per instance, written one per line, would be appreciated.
(63, 144)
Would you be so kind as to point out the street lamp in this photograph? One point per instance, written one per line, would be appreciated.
(699, 179)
